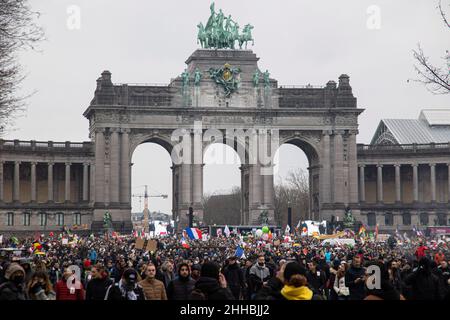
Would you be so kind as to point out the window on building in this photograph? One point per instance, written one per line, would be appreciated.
(10, 221)
(371, 219)
(406, 219)
(424, 219)
(60, 219)
(77, 218)
(43, 219)
(442, 219)
(388, 219)
(26, 219)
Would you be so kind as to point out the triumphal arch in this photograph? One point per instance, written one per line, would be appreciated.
(224, 97)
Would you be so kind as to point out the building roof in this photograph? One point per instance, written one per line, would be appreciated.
(433, 126)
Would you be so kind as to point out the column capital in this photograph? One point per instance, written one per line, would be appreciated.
(125, 130)
(379, 165)
(353, 131)
(414, 165)
(68, 163)
(17, 162)
(397, 165)
(114, 130)
(326, 132)
(50, 163)
(432, 164)
(361, 165)
(33, 163)
(86, 164)
(99, 130)
(338, 132)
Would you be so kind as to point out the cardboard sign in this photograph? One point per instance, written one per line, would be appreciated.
(276, 243)
(152, 245)
(139, 243)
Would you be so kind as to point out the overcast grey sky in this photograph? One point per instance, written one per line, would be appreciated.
(299, 41)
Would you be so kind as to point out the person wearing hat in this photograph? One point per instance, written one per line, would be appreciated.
(13, 288)
(235, 278)
(127, 288)
(181, 287)
(211, 285)
(153, 288)
(295, 283)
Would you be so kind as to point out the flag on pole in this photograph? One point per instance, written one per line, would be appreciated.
(194, 233)
(362, 232)
(226, 231)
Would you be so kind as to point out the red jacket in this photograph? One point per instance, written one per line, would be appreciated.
(420, 252)
(63, 292)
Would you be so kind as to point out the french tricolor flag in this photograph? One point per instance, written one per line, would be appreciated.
(184, 243)
(194, 233)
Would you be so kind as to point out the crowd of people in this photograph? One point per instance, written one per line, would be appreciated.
(112, 268)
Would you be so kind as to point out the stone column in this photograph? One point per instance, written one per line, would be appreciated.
(352, 167)
(185, 184)
(197, 181)
(338, 167)
(33, 181)
(433, 181)
(125, 167)
(16, 192)
(379, 183)
(92, 182)
(448, 177)
(362, 184)
(415, 182)
(255, 184)
(67, 178)
(268, 186)
(85, 181)
(398, 191)
(325, 188)
(115, 171)
(100, 165)
(1, 182)
(50, 182)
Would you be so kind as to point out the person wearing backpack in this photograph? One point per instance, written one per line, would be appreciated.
(211, 285)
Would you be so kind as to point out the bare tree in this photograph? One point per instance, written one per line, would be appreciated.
(18, 31)
(294, 193)
(435, 79)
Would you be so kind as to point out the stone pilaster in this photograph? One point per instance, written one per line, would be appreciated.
(1, 182)
(125, 170)
(114, 171)
(100, 165)
(338, 167)
(325, 186)
(352, 167)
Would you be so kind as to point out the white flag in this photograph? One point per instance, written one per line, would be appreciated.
(227, 231)
(288, 229)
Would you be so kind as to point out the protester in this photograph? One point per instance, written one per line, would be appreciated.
(40, 288)
(181, 287)
(424, 284)
(153, 288)
(211, 285)
(339, 286)
(127, 288)
(234, 277)
(69, 287)
(259, 274)
(295, 287)
(354, 279)
(98, 285)
(13, 288)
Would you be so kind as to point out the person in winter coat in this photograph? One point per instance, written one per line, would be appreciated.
(181, 287)
(153, 288)
(339, 288)
(211, 285)
(295, 283)
(98, 285)
(258, 276)
(354, 279)
(40, 287)
(13, 288)
(127, 288)
(72, 291)
(316, 278)
(386, 291)
(166, 273)
(330, 284)
(424, 284)
(235, 278)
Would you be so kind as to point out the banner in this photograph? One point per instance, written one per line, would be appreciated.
(330, 236)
